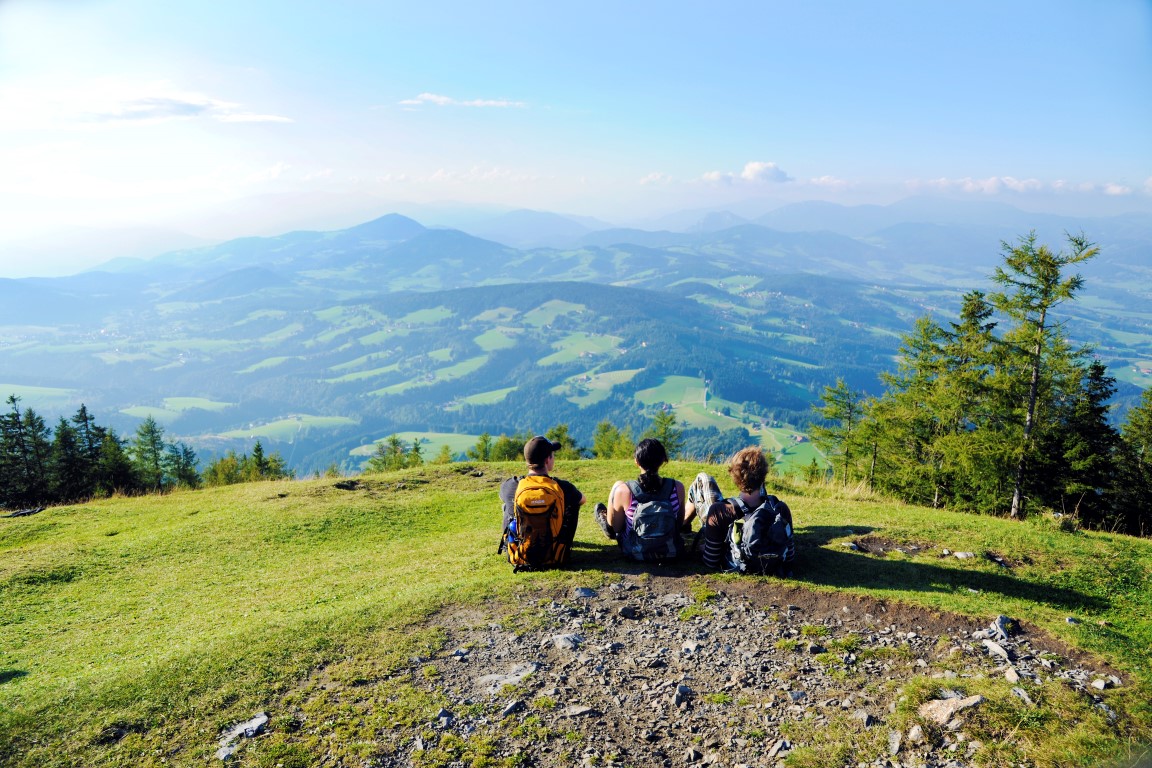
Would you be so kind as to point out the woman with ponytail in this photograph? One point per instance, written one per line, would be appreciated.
(616, 517)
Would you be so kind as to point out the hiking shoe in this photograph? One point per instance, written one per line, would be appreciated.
(601, 515)
(703, 493)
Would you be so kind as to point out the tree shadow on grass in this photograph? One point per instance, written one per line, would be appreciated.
(830, 567)
(8, 675)
(818, 564)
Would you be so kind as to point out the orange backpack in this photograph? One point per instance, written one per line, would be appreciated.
(532, 535)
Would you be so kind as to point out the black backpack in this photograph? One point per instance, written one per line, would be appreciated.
(655, 532)
(761, 541)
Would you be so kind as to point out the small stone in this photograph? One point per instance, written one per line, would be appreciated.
(1011, 675)
(1022, 694)
(894, 740)
(796, 695)
(916, 734)
(629, 612)
(583, 592)
(693, 755)
(778, 747)
(1100, 684)
(567, 642)
(1001, 627)
(940, 711)
(864, 717)
(1072, 620)
(996, 649)
(512, 708)
(444, 713)
(576, 710)
(965, 555)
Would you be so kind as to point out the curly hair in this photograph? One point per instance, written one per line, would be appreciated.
(748, 469)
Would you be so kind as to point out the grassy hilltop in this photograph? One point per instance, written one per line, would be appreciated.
(135, 631)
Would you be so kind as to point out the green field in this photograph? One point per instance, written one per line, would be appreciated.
(577, 345)
(430, 316)
(287, 430)
(483, 398)
(173, 408)
(547, 313)
(447, 373)
(269, 362)
(496, 338)
(590, 388)
(430, 443)
(686, 395)
(39, 398)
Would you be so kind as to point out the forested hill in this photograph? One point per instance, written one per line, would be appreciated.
(319, 343)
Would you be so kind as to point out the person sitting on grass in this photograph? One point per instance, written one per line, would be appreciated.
(522, 496)
(646, 516)
(751, 532)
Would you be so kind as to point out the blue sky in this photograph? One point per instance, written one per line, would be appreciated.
(255, 117)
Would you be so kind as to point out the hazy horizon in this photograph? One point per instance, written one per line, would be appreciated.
(130, 125)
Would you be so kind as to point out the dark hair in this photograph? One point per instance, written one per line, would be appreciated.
(650, 455)
(748, 469)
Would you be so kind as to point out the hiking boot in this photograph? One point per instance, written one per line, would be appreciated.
(601, 515)
(703, 493)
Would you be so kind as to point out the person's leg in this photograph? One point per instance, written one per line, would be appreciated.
(702, 494)
(609, 517)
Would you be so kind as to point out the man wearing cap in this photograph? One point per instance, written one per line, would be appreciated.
(540, 454)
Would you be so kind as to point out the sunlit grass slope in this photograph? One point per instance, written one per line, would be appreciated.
(135, 629)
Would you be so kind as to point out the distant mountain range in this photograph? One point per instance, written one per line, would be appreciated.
(320, 342)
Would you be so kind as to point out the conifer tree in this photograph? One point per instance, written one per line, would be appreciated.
(147, 454)
(664, 429)
(1034, 283)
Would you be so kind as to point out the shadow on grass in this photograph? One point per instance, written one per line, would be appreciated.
(830, 567)
(8, 675)
(826, 566)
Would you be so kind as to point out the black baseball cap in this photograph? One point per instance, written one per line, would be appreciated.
(538, 449)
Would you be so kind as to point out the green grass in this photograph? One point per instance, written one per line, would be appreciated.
(577, 345)
(483, 398)
(494, 339)
(288, 429)
(165, 619)
(430, 443)
(590, 388)
(546, 313)
(268, 362)
(38, 398)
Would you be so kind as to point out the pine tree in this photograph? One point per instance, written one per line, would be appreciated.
(664, 429)
(1034, 284)
(147, 455)
(115, 472)
(69, 476)
(415, 454)
(842, 411)
(444, 455)
(482, 451)
(568, 446)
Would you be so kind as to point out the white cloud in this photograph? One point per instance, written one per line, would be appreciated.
(656, 178)
(115, 101)
(758, 171)
(447, 101)
(829, 182)
(755, 172)
(1116, 190)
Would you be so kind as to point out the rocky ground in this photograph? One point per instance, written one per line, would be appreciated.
(655, 671)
